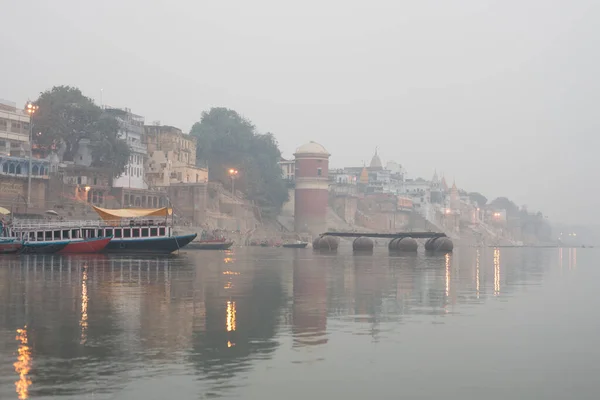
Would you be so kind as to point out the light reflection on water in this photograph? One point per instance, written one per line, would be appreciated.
(206, 322)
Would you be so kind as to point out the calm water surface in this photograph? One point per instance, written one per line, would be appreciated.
(263, 323)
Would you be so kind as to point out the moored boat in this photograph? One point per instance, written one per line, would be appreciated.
(10, 245)
(93, 245)
(297, 245)
(215, 244)
(42, 247)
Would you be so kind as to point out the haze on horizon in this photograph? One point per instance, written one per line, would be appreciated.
(498, 95)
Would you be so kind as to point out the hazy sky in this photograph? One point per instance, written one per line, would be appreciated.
(500, 95)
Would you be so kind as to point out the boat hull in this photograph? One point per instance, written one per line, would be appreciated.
(295, 245)
(158, 245)
(95, 245)
(209, 245)
(42, 248)
(10, 246)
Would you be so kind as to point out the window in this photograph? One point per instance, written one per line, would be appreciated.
(127, 233)
(109, 233)
(118, 233)
(15, 127)
(136, 232)
(65, 234)
(32, 236)
(56, 235)
(100, 232)
(153, 231)
(162, 231)
(319, 172)
(40, 236)
(144, 232)
(75, 234)
(3, 124)
(48, 235)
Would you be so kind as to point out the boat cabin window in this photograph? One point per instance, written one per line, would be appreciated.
(127, 232)
(100, 232)
(56, 235)
(65, 234)
(144, 232)
(118, 233)
(136, 232)
(162, 231)
(48, 235)
(40, 236)
(31, 236)
(153, 231)
(75, 234)
(109, 232)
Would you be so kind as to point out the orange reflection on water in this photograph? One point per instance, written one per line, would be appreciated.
(447, 274)
(496, 271)
(477, 273)
(83, 322)
(23, 364)
(230, 316)
(230, 273)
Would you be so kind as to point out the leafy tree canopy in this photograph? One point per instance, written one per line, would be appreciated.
(478, 198)
(227, 140)
(65, 117)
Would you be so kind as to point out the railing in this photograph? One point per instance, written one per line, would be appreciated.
(53, 224)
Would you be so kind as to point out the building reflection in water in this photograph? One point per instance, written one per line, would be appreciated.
(23, 364)
(477, 266)
(309, 308)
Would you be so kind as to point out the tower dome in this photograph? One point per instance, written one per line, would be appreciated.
(312, 148)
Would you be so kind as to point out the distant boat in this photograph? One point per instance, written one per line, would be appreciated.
(211, 244)
(297, 245)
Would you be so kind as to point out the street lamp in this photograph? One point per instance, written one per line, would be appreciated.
(31, 109)
(233, 173)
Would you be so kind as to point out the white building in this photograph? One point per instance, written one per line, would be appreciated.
(132, 131)
(288, 169)
(14, 130)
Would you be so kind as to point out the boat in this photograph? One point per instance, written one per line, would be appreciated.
(42, 247)
(214, 244)
(118, 231)
(9, 245)
(297, 245)
(93, 245)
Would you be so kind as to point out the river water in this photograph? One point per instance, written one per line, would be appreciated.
(268, 323)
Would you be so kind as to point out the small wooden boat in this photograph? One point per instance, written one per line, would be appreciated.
(93, 245)
(297, 245)
(214, 244)
(10, 245)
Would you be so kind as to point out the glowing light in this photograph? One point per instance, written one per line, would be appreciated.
(230, 344)
(231, 316)
(227, 260)
(228, 285)
(87, 188)
(496, 271)
(230, 273)
(83, 322)
(23, 364)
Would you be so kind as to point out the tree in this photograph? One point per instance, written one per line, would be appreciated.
(65, 117)
(478, 199)
(227, 140)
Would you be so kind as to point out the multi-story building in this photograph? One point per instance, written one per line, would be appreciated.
(288, 169)
(14, 130)
(132, 131)
(171, 157)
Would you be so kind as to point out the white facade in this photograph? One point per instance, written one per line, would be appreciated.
(288, 169)
(132, 131)
(14, 130)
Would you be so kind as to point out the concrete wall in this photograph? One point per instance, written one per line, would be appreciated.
(311, 210)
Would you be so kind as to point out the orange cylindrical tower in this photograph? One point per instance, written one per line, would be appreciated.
(312, 186)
